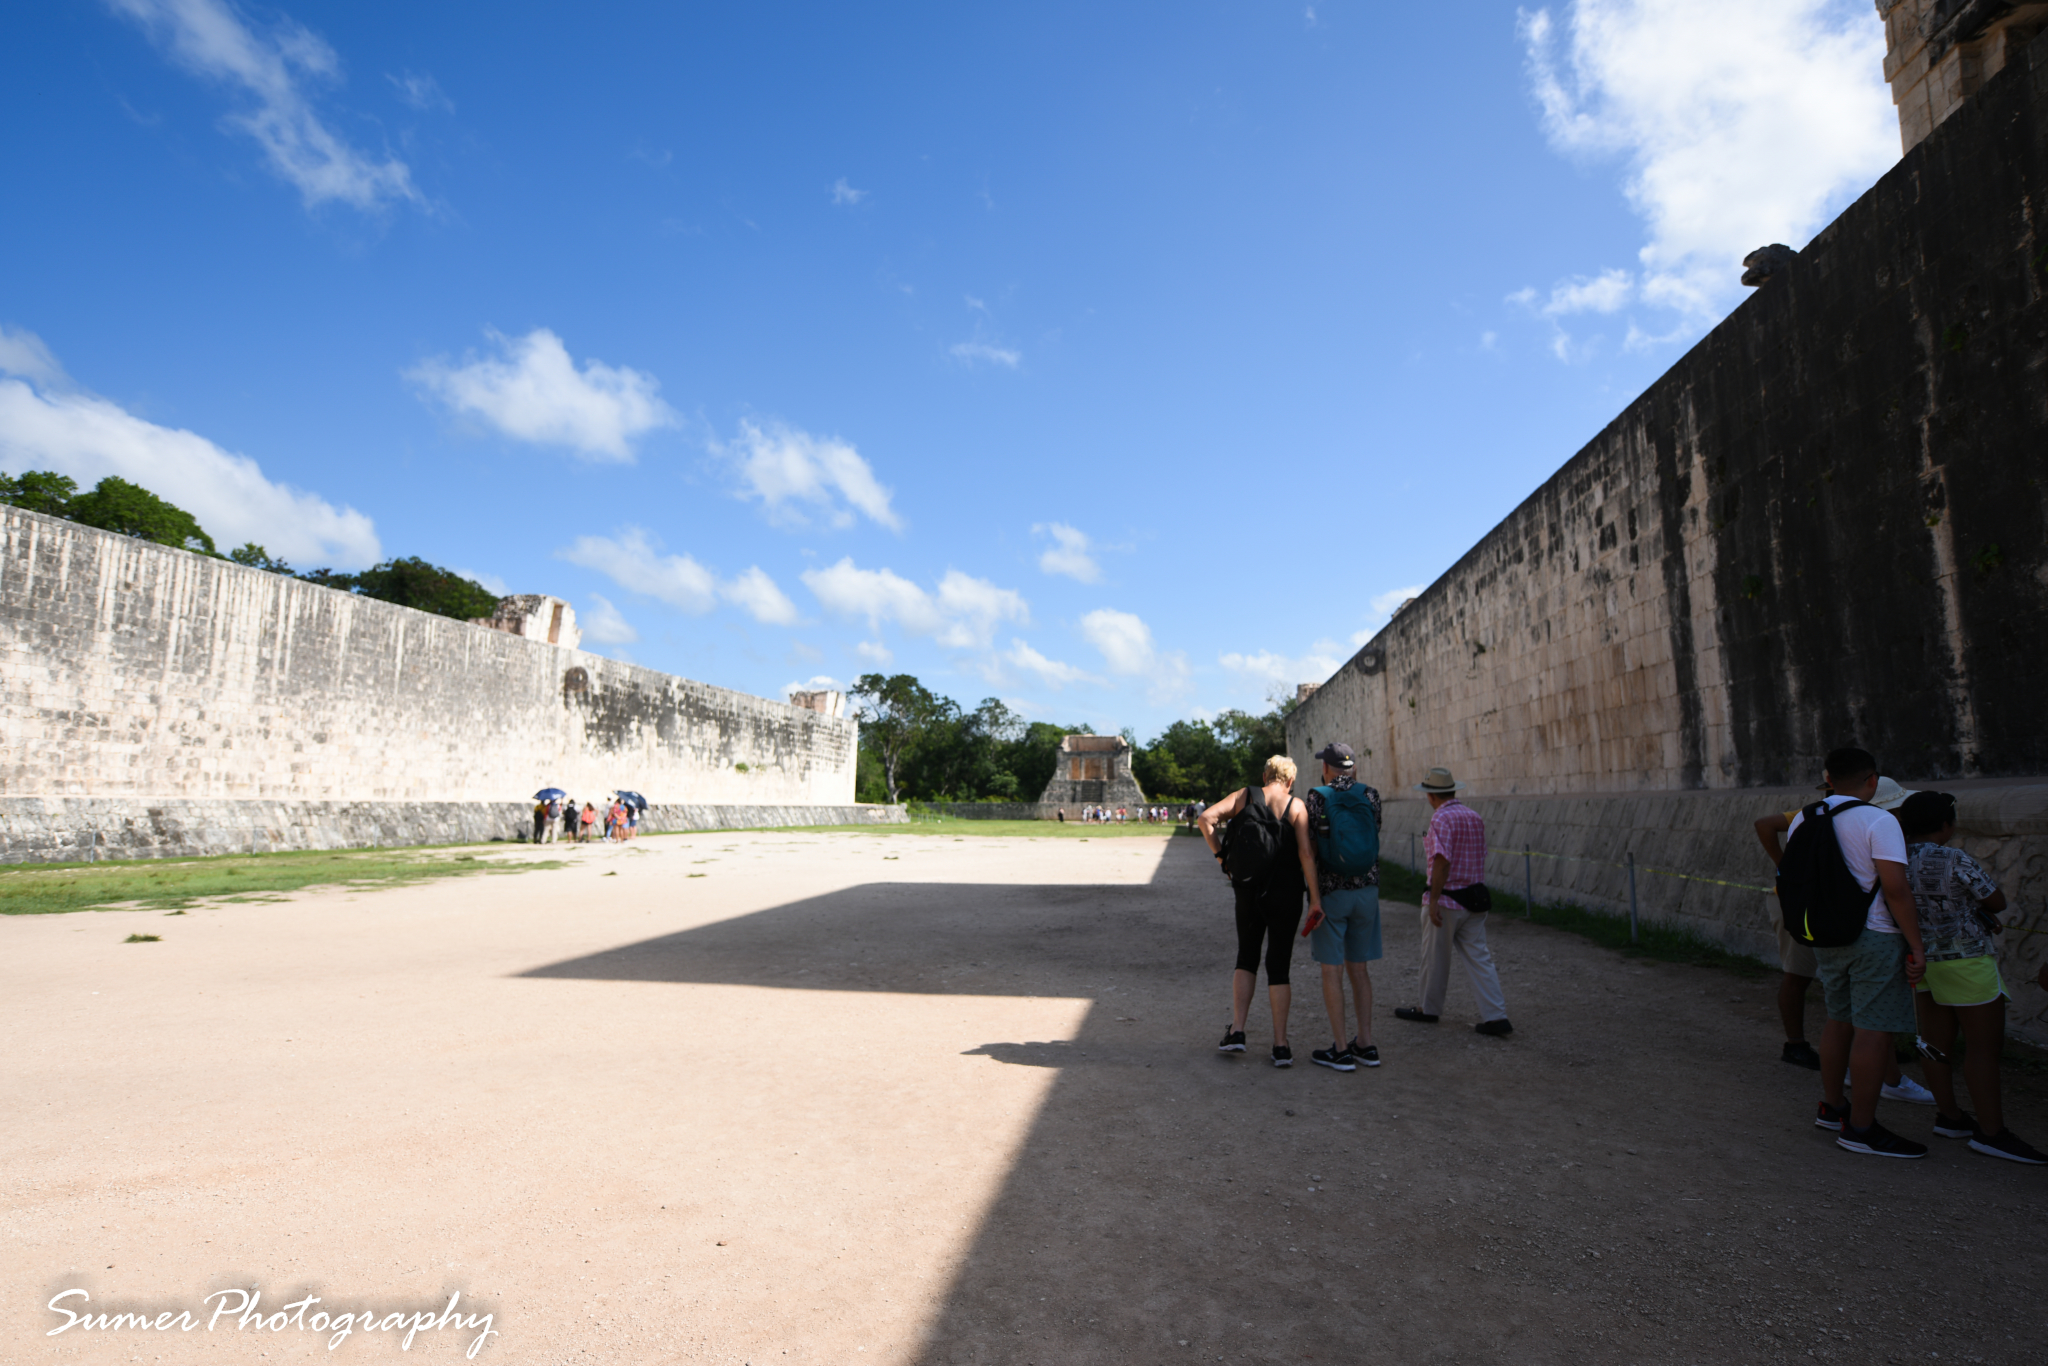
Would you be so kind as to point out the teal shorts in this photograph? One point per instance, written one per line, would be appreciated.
(1350, 932)
(1865, 982)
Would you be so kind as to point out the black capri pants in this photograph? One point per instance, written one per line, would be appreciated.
(1271, 913)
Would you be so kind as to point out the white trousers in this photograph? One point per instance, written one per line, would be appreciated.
(1465, 934)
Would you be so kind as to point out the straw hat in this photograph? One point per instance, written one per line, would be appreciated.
(1438, 781)
(1888, 795)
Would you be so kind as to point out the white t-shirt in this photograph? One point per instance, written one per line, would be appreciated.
(1866, 835)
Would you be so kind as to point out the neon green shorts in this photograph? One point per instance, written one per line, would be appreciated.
(1963, 981)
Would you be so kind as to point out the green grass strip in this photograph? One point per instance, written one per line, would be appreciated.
(174, 884)
(1664, 943)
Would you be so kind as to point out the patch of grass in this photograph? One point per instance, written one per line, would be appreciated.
(1664, 943)
(143, 939)
(173, 885)
(960, 828)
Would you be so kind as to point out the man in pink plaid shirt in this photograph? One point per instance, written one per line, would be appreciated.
(1454, 909)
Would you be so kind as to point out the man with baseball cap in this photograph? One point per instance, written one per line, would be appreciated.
(1454, 909)
(1344, 833)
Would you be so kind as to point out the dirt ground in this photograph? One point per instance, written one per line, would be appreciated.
(809, 1098)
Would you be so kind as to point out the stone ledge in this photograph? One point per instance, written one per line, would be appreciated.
(73, 829)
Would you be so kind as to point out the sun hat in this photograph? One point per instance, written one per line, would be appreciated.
(1438, 781)
(1888, 795)
(1337, 756)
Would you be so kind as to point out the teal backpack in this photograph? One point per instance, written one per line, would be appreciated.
(1352, 848)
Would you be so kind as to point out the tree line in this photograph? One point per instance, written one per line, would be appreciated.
(114, 504)
(916, 745)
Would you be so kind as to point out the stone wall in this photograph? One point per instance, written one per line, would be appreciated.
(1699, 865)
(1826, 524)
(1828, 521)
(83, 829)
(136, 672)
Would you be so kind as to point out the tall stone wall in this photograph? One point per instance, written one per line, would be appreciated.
(130, 671)
(1826, 524)
(1828, 520)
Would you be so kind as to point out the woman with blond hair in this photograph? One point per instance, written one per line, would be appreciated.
(1263, 850)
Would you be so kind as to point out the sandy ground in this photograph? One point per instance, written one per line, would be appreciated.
(848, 1098)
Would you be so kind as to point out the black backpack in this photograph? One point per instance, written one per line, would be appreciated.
(1823, 904)
(1253, 840)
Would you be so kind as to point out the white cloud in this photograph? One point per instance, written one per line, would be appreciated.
(604, 624)
(1606, 292)
(815, 683)
(973, 351)
(874, 652)
(209, 39)
(490, 581)
(1127, 647)
(46, 423)
(1279, 674)
(534, 392)
(787, 469)
(1051, 671)
(1068, 554)
(961, 615)
(755, 592)
(633, 561)
(843, 193)
(422, 92)
(1742, 123)
(1382, 607)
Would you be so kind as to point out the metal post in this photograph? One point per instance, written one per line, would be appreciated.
(1528, 887)
(1631, 896)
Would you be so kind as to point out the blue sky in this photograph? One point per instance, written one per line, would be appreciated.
(1125, 362)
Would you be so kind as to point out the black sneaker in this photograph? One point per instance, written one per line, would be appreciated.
(1954, 1126)
(1494, 1028)
(1233, 1041)
(1832, 1116)
(1364, 1054)
(1334, 1058)
(1879, 1141)
(1283, 1056)
(2008, 1145)
(1800, 1054)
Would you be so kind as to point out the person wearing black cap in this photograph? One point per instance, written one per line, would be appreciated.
(1344, 826)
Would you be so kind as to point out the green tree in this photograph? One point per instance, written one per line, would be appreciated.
(132, 510)
(894, 712)
(256, 557)
(412, 582)
(39, 491)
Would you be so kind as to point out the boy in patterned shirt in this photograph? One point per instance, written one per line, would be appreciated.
(1958, 905)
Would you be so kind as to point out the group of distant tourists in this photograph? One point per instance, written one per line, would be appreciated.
(1874, 900)
(617, 821)
(1119, 815)
(1275, 850)
(1900, 928)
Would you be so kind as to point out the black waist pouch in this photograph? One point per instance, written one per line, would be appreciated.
(1476, 898)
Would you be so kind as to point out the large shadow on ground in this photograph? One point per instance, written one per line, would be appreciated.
(1475, 1200)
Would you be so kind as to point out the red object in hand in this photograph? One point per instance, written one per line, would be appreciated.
(1315, 918)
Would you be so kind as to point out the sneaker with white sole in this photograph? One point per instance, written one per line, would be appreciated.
(1831, 1116)
(1878, 1141)
(1954, 1126)
(1364, 1054)
(1233, 1041)
(1910, 1091)
(1283, 1056)
(2008, 1145)
(1334, 1058)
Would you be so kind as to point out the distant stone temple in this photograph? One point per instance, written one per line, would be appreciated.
(1093, 770)
(825, 703)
